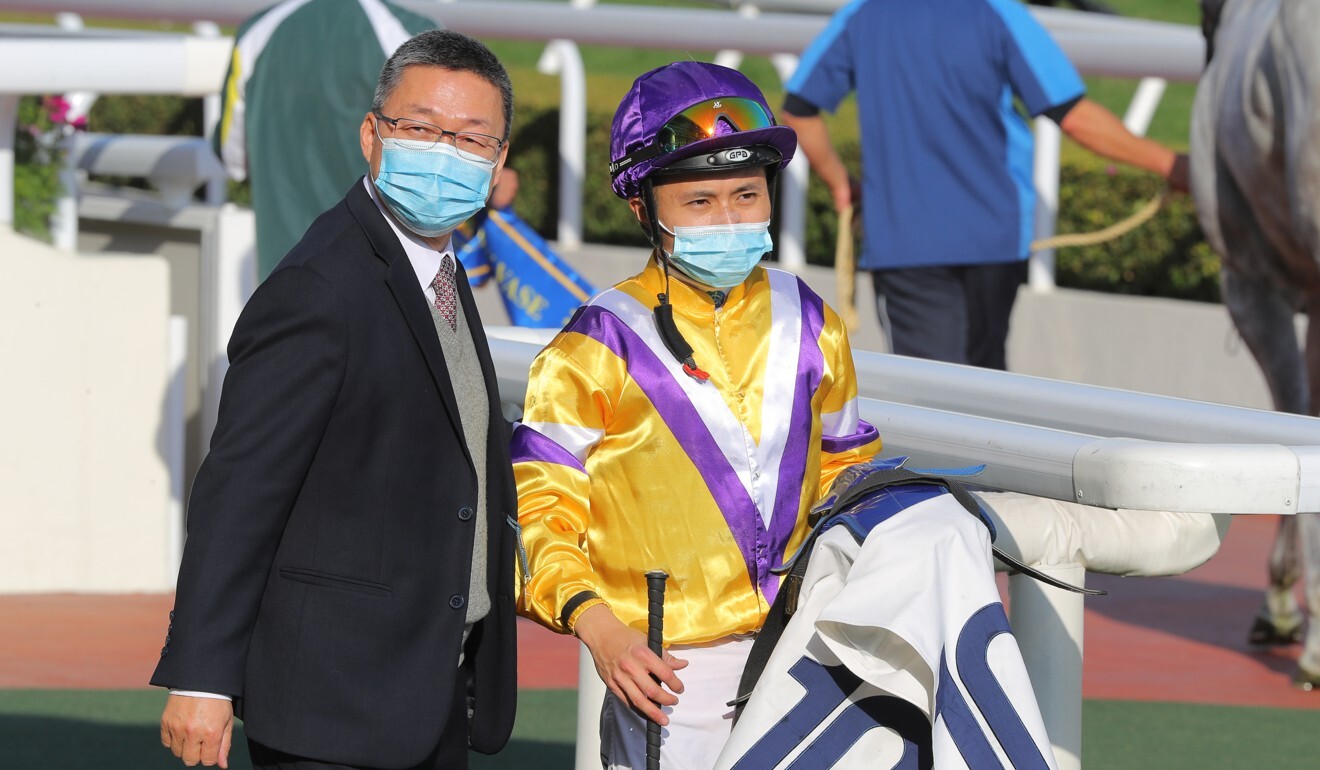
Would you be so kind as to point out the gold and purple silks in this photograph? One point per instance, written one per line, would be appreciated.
(625, 464)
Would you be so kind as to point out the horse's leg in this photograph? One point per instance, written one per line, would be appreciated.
(1264, 318)
(1300, 26)
(1307, 675)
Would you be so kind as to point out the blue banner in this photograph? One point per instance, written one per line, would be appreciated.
(538, 288)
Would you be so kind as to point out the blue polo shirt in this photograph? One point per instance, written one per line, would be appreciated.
(946, 158)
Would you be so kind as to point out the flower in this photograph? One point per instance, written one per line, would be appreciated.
(57, 110)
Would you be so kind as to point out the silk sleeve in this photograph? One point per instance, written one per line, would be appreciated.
(845, 438)
(565, 415)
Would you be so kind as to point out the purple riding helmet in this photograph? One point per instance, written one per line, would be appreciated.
(683, 118)
(689, 116)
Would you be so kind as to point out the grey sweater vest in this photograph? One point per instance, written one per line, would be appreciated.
(474, 409)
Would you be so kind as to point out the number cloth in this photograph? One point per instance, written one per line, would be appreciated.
(899, 656)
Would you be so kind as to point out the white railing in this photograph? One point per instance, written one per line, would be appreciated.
(1054, 440)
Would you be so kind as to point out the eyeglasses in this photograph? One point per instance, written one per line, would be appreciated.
(701, 121)
(416, 135)
(714, 117)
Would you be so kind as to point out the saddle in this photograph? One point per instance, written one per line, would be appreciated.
(861, 498)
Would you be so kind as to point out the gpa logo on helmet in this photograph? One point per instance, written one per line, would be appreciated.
(737, 155)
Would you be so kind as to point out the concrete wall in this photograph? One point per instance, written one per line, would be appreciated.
(1148, 344)
(84, 485)
(180, 249)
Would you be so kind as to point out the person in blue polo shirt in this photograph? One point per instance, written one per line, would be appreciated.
(946, 195)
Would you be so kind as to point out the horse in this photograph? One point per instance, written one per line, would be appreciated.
(1255, 157)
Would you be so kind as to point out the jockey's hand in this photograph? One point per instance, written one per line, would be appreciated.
(627, 665)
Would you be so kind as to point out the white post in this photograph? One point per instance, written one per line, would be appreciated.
(732, 58)
(1047, 623)
(80, 102)
(591, 694)
(228, 277)
(216, 189)
(1040, 270)
(8, 125)
(562, 57)
(1146, 99)
(792, 247)
(64, 220)
(175, 423)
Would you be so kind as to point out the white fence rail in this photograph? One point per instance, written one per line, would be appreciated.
(1050, 439)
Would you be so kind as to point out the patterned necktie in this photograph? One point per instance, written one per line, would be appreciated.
(446, 296)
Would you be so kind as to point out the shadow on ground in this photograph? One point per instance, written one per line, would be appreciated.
(117, 730)
(1205, 612)
(55, 743)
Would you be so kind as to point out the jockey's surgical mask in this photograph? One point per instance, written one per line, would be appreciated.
(720, 256)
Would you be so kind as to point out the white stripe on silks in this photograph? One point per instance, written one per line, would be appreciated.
(233, 142)
(390, 32)
(575, 439)
(732, 437)
(254, 41)
(781, 377)
(248, 48)
(842, 423)
(726, 430)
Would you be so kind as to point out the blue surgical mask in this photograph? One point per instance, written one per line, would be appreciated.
(432, 191)
(720, 256)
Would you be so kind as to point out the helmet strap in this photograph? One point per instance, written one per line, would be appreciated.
(651, 226)
(664, 312)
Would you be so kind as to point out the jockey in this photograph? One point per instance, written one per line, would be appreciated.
(685, 419)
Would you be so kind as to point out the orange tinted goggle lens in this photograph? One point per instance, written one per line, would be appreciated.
(702, 121)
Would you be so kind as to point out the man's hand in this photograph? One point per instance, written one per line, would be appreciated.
(627, 665)
(814, 142)
(198, 730)
(847, 195)
(1179, 176)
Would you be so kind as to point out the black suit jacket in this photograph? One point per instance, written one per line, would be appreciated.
(330, 529)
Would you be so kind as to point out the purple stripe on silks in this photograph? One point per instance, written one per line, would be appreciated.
(531, 445)
(793, 464)
(865, 434)
(682, 418)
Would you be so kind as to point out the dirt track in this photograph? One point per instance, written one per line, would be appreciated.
(1162, 639)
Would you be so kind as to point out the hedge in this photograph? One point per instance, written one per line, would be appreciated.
(1166, 257)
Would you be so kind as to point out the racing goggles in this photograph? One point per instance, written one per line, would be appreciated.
(702, 121)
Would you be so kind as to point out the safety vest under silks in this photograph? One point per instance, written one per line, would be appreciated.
(626, 464)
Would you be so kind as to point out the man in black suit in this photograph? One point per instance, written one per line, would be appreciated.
(348, 580)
